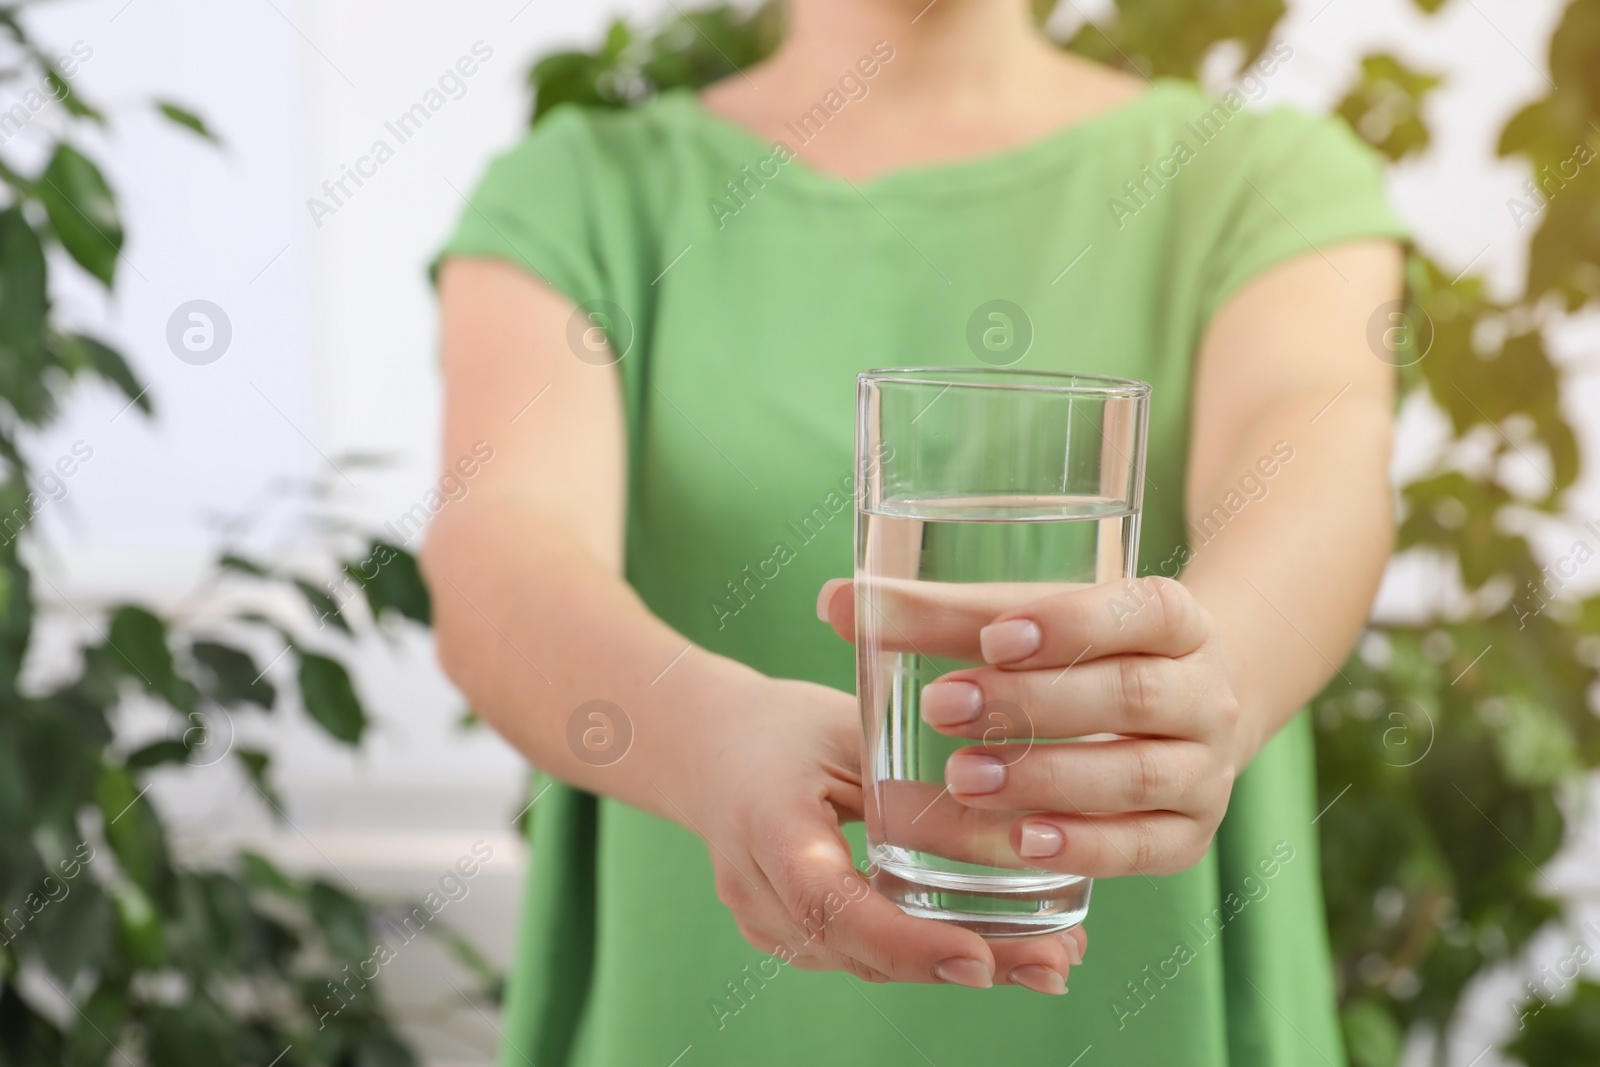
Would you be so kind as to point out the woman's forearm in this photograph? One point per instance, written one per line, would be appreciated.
(1290, 575)
(531, 626)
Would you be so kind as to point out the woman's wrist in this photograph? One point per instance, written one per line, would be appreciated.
(1255, 725)
(698, 723)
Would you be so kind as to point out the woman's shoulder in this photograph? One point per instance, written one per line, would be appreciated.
(1240, 129)
(588, 136)
(1249, 184)
(624, 166)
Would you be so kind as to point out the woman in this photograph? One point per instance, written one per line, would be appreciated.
(655, 318)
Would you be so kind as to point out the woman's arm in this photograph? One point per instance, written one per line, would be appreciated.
(1286, 370)
(533, 619)
(531, 614)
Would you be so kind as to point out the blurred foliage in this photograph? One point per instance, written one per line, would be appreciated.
(112, 949)
(1568, 1037)
(1170, 38)
(1452, 751)
(694, 49)
(1386, 106)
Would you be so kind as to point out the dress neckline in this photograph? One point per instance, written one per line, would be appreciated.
(1005, 163)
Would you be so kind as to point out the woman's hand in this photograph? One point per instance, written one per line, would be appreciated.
(1137, 659)
(779, 783)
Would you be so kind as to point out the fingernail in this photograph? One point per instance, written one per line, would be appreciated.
(1006, 642)
(962, 970)
(1040, 979)
(825, 597)
(951, 703)
(974, 773)
(1039, 839)
(1074, 950)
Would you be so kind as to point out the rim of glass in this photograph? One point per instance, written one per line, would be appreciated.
(1047, 381)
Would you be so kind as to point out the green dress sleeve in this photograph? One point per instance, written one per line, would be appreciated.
(534, 208)
(562, 204)
(1294, 184)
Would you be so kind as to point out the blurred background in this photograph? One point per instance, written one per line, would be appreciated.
(274, 313)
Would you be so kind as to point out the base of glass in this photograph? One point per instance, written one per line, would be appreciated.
(1001, 906)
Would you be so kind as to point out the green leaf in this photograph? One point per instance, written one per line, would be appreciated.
(187, 119)
(16, 614)
(330, 698)
(97, 1027)
(83, 212)
(492, 977)
(256, 764)
(1565, 249)
(261, 873)
(74, 932)
(70, 99)
(79, 351)
(103, 671)
(571, 78)
(27, 1037)
(157, 753)
(343, 921)
(140, 639)
(1385, 107)
(17, 809)
(1535, 747)
(131, 828)
(231, 562)
(617, 40)
(377, 1049)
(1173, 37)
(233, 677)
(236, 933)
(392, 582)
(1371, 1035)
(1572, 58)
(1457, 514)
(23, 308)
(1561, 1035)
(1539, 132)
(58, 769)
(139, 926)
(323, 606)
(193, 1034)
(194, 943)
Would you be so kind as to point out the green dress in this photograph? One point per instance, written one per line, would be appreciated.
(754, 289)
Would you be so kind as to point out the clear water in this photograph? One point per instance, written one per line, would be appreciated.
(929, 574)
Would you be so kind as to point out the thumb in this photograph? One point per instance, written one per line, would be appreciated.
(836, 606)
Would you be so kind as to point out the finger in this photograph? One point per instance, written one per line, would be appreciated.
(766, 936)
(907, 949)
(821, 891)
(1088, 776)
(836, 606)
(756, 910)
(764, 922)
(931, 618)
(1109, 846)
(1042, 964)
(1134, 695)
(832, 962)
(925, 817)
(1152, 615)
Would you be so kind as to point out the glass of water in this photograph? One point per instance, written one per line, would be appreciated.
(978, 490)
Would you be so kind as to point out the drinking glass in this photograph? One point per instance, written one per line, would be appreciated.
(978, 490)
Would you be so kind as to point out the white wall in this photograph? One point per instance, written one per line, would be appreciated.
(333, 346)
